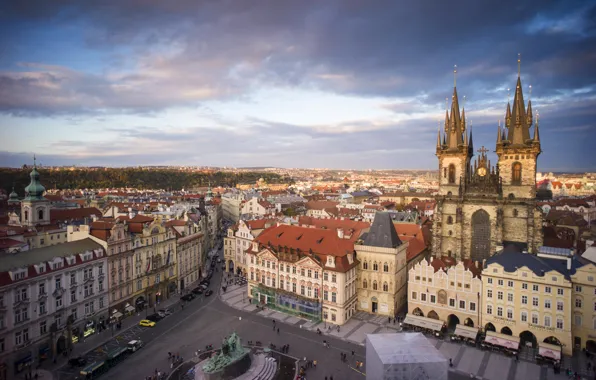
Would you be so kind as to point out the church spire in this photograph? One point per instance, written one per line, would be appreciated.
(471, 146)
(499, 140)
(456, 127)
(529, 116)
(439, 136)
(519, 130)
(536, 133)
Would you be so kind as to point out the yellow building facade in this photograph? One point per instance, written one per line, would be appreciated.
(584, 308)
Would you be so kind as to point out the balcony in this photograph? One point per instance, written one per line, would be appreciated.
(21, 301)
(23, 320)
(42, 296)
(59, 292)
(88, 279)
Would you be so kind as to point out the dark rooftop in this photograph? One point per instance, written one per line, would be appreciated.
(382, 233)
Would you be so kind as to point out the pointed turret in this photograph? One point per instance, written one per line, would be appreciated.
(508, 116)
(446, 120)
(529, 116)
(463, 119)
(439, 139)
(536, 138)
(466, 141)
(499, 137)
(519, 130)
(455, 134)
(471, 146)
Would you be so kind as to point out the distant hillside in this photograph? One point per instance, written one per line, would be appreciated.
(130, 177)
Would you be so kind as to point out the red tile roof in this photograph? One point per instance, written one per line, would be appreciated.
(351, 227)
(320, 205)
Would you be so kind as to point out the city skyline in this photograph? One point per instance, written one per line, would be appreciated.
(337, 85)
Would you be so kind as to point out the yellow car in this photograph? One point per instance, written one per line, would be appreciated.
(146, 323)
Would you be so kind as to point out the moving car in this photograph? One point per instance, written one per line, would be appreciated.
(208, 293)
(134, 345)
(79, 361)
(146, 323)
(197, 290)
(188, 297)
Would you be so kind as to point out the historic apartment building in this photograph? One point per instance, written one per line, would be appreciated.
(447, 293)
(154, 260)
(114, 237)
(533, 297)
(190, 256)
(481, 207)
(239, 240)
(304, 271)
(48, 295)
(382, 274)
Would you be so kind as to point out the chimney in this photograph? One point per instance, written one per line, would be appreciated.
(569, 263)
(340, 233)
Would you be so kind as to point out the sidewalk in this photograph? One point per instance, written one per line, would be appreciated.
(101, 338)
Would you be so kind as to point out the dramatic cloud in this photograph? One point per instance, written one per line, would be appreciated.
(106, 63)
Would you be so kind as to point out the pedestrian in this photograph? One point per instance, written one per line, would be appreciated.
(325, 377)
(450, 362)
(388, 319)
(325, 343)
(314, 363)
(331, 377)
(277, 331)
(352, 353)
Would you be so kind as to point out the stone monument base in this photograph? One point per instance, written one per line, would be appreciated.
(229, 372)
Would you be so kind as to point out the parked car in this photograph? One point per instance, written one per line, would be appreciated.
(205, 281)
(188, 297)
(154, 317)
(208, 293)
(219, 260)
(203, 286)
(79, 361)
(146, 323)
(134, 345)
(164, 312)
(197, 290)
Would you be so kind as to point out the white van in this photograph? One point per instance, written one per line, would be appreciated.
(134, 345)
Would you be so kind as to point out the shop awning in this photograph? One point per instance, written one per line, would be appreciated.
(466, 331)
(549, 351)
(507, 341)
(129, 309)
(117, 315)
(425, 323)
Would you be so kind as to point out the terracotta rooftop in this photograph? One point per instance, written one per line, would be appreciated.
(63, 215)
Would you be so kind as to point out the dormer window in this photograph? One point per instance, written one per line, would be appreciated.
(41, 268)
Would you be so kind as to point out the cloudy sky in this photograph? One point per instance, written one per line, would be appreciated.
(322, 83)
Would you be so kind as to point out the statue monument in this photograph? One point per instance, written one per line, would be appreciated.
(231, 361)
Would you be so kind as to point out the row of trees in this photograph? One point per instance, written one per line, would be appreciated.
(131, 177)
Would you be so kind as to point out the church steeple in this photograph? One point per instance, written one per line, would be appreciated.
(456, 126)
(519, 129)
(35, 209)
(536, 138)
(499, 139)
(35, 190)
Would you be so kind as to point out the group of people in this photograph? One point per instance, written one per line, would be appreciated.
(157, 375)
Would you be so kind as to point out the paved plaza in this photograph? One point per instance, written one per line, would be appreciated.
(467, 360)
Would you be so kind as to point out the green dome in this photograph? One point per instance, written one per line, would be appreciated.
(13, 197)
(35, 189)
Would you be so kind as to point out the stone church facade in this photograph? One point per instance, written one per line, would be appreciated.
(480, 206)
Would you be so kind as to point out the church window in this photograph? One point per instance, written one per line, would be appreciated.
(516, 174)
(375, 285)
(385, 287)
(450, 233)
(385, 267)
(481, 234)
(515, 212)
(40, 214)
(365, 265)
(451, 173)
(375, 266)
(26, 215)
(450, 220)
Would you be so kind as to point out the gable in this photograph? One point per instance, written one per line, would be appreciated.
(266, 254)
(308, 262)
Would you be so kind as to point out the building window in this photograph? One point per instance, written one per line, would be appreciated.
(316, 274)
(451, 302)
(309, 291)
(516, 173)
(472, 306)
(509, 314)
(433, 298)
(423, 297)
(489, 280)
(525, 286)
(451, 173)
(325, 295)
(547, 304)
(535, 288)
(489, 309)
(489, 293)
(333, 297)
(547, 321)
(560, 323)
(333, 278)
(294, 287)
(325, 276)
(560, 306)
(462, 304)
(449, 220)
(524, 316)
(374, 285)
(385, 267)
(524, 300)
(559, 292)
(309, 273)
(547, 289)
(500, 282)
(365, 265)
(578, 320)
(499, 295)
(510, 284)
(302, 289)
(578, 288)
(375, 266)
(535, 301)
(509, 297)
(578, 302)
(534, 318)
(364, 284)
(386, 289)
(414, 295)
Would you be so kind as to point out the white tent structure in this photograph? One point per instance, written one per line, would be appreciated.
(403, 356)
